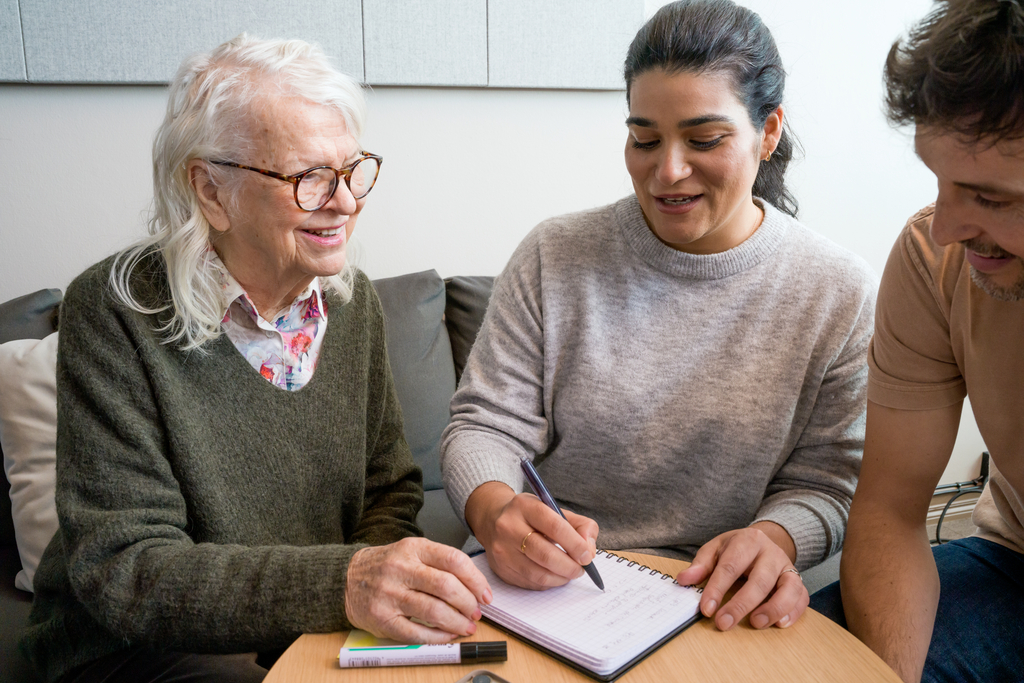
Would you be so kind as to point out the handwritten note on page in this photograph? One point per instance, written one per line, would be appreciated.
(599, 631)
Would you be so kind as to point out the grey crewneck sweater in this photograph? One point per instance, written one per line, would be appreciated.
(671, 396)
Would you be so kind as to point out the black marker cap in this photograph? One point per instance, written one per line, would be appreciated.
(493, 651)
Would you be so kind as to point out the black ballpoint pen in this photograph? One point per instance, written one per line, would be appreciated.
(541, 491)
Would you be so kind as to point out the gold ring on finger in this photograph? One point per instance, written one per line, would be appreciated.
(522, 548)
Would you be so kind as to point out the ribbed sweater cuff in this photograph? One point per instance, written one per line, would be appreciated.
(808, 525)
(475, 458)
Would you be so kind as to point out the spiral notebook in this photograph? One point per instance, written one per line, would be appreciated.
(601, 633)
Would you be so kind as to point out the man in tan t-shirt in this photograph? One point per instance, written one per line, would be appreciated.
(949, 323)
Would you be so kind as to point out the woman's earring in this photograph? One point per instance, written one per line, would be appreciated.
(769, 157)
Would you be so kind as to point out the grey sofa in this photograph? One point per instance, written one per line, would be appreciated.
(431, 324)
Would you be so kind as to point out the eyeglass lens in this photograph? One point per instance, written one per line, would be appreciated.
(317, 187)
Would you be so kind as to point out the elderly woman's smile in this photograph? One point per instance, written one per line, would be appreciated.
(270, 245)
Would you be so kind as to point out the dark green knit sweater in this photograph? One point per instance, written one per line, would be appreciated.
(201, 508)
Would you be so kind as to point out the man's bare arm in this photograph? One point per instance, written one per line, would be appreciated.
(889, 582)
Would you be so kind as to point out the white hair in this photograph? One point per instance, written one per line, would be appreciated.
(209, 105)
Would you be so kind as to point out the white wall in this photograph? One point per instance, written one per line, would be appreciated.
(468, 172)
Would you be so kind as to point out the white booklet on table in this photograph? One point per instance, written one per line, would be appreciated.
(601, 633)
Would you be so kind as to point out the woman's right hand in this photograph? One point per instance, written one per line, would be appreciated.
(415, 591)
(519, 533)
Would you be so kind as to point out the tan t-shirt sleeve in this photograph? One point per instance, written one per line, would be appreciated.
(930, 324)
(912, 364)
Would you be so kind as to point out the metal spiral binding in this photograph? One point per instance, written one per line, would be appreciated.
(644, 567)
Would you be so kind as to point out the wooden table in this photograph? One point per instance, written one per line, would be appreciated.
(814, 650)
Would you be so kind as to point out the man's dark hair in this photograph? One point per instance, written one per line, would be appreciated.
(708, 36)
(961, 69)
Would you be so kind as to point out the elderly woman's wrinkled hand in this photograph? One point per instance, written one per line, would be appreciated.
(415, 579)
(773, 594)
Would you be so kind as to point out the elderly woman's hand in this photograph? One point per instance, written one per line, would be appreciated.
(437, 585)
(520, 532)
(773, 593)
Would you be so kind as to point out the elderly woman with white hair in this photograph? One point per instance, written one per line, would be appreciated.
(232, 470)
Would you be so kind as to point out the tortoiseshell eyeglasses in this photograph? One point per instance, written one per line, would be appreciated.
(315, 186)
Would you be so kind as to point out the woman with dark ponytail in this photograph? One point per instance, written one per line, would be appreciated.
(685, 366)
(724, 39)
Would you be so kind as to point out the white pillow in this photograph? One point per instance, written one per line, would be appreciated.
(28, 434)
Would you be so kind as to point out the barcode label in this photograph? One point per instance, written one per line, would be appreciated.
(365, 661)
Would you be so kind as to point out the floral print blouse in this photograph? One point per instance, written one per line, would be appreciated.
(285, 351)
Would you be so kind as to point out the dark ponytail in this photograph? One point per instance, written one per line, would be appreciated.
(720, 36)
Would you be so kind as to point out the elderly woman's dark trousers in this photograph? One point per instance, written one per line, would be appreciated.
(979, 625)
(149, 665)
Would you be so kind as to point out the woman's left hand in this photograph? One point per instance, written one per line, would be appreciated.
(773, 593)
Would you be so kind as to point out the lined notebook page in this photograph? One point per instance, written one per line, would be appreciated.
(601, 631)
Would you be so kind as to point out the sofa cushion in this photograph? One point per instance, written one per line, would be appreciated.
(465, 304)
(28, 431)
(438, 520)
(7, 536)
(32, 316)
(14, 608)
(421, 362)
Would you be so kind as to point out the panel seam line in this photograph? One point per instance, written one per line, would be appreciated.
(487, 40)
(362, 27)
(24, 47)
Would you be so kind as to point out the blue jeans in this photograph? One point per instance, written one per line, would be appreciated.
(979, 626)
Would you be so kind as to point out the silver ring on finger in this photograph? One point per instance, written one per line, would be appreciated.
(792, 569)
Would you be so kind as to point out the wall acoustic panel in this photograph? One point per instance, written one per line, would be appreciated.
(12, 50)
(127, 41)
(425, 42)
(560, 43)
